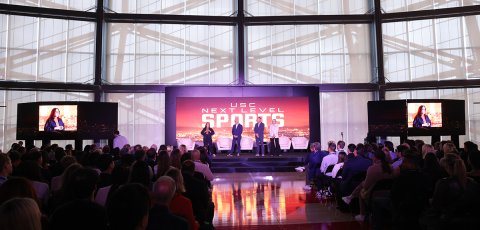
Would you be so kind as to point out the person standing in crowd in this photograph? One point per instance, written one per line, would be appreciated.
(258, 130)
(119, 141)
(274, 144)
(237, 130)
(207, 133)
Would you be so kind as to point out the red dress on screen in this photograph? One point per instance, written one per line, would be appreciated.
(182, 206)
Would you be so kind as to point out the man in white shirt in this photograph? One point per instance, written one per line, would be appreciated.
(201, 167)
(274, 144)
(119, 141)
(330, 159)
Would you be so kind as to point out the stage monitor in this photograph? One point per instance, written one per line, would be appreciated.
(296, 109)
(416, 117)
(192, 113)
(66, 120)
(436, 117)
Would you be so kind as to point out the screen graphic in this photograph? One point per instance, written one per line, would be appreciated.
(66, 113)
(291, 114)
(432, 115)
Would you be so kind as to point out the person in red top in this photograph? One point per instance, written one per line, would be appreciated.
(180, 205)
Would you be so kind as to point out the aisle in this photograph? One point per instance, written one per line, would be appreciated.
(272, 201)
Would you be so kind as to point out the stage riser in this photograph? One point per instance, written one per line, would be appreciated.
(255, 164)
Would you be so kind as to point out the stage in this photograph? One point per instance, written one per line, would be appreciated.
(248, 162)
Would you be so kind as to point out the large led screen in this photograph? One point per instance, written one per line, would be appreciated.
(291, 113)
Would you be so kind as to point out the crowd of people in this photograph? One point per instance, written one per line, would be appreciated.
(135, 187)
(412, 186)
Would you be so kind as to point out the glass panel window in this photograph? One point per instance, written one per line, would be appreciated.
(170, 54)
(305, 7)
(391, 6)
(178, 7)
(309, 54)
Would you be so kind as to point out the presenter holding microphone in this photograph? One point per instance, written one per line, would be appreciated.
(421, 119)
(207, 133)
(54, 122)
(274, 145)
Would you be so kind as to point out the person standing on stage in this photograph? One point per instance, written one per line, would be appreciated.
(258, 130)
(274, 144)
(207, 133)
(237, 130)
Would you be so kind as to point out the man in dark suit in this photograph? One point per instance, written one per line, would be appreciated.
(258, 130)
(237, 130)
(160, 216)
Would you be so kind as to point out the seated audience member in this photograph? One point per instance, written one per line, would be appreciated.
(312, 163)
(409, 195)
(151, 157)
(353, 170)
(163, 164)
(55, 167)
(106, 165)
(391, 151)
(17, 187)
(15, 158)
(128, 208)
(197, 191)
(455, 197)
(401, 149)
(426, 148)
(80, 186)
(119, 178)
(175, 159)
(474, 159)
(20, 214)
(329, 159)
(432, 172)
(6, 168)
(140, 173)
(340, 147)
(342, 157)
(380, 170)
(180, 205)
(160, 216)
(468, 148)
(32, 171)
(58, 181)
(351, 151)
(449, 147)
(201, 167)
(79, 215)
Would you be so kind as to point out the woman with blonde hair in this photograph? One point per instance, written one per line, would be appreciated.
(180, 205)
(426, 148)
(21, 214)
(449, 147)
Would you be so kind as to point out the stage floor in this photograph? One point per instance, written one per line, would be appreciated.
(248, 162)
(273, 201)
(252, 155)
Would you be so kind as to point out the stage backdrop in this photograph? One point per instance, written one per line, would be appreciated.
(188, 108)
(291, 114)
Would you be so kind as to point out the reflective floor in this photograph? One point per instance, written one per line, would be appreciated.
(271, 201)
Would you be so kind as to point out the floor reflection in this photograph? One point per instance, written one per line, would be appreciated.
(268, 199)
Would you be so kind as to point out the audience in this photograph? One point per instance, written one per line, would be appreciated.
(20, 214)
(201, 167)
(181, 196)
(160, 216)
